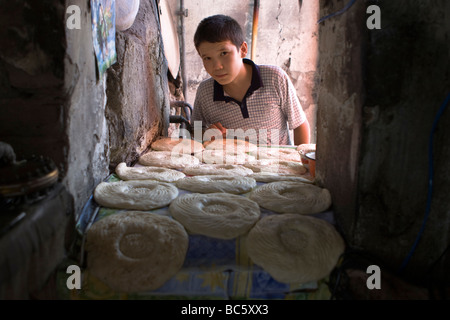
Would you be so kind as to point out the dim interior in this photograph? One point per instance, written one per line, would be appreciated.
(375, 99)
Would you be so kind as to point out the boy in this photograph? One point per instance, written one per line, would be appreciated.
(259, 101)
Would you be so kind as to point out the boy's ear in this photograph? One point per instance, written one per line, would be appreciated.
(244, 49)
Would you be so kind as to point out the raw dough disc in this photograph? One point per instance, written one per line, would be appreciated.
(217, 169)
(178, 145)
(284, 154)
(292, 197)
(275, 166)
(215, 183)
(168, 159)
(294, 248)
(136, 251)
(148, 173)
(135, 194)
(216, 215)
(230, 145)
(223, 157)
(274, 177)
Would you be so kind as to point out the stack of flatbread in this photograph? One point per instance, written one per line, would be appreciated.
(177, 145)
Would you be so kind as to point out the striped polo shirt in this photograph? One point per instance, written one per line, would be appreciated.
(269, 109)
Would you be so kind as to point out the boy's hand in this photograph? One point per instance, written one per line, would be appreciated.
(219, 127)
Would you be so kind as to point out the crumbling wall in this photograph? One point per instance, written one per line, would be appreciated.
(380, 90)
(137, 107)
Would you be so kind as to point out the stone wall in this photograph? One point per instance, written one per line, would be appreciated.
(379, 94)
(138, 90)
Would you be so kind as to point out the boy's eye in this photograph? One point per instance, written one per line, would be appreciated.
(206, 58)
(224, 53)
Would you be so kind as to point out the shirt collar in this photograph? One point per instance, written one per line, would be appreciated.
(255, 84)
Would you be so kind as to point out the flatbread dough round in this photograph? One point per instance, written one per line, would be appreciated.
(135, 251)
(215, 183)
(217, 169)
(294, 248)
(178, 145)
(277, 166)
(168, 159)
(148, 173)
(282, 154)
(274, 177)
(135, 194)
(216, 215)
(230, 145)
(223, 157)
(292, 197)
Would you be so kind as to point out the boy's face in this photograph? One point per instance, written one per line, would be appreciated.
(222, 60)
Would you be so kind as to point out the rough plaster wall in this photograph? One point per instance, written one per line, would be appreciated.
(379, 94)
(340, 97)
(88, 154)
(287, 37)
(408, 77)
(138, 91)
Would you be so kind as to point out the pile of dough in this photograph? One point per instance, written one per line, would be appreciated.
(148, 173)
(217, 169)
(224, 157)
(230, 145)
(178, 145)
(274, 177)
(135, 251)
(135, 194)
(168, 159)
(215, 183)
(294, 248)
(276, 166)
(216, 215)
(284, 154)
(292, 197)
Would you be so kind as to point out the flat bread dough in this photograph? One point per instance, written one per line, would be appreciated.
(230, 145)
(292, 197)
(280, 167)
(274, 177)
(178, 145)
(294, 248)
(216, 215)
(135, 251)
(148, 173)
(135, 194)
(223, 157)
(282, 154)
(217, 169)
(216, 183)
(168, 159)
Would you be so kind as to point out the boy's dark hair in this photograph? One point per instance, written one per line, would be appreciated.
(219, 28)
